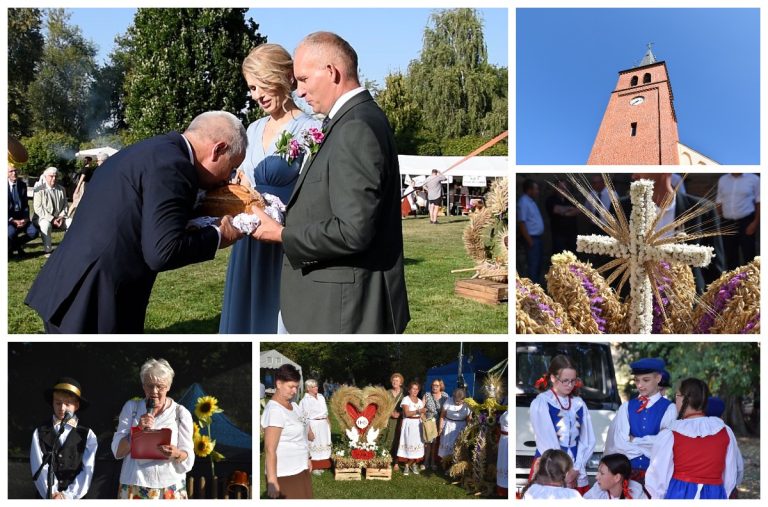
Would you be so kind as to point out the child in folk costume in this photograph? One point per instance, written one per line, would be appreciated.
(613, 482)
(562, 421)
(636, 426)
(411, 448)
(697, 456)
(63, 443)
(548, 479)
(316, 412)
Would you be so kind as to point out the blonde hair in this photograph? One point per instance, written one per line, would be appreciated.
(272, 65)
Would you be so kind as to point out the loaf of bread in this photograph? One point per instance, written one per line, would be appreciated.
(230, 200)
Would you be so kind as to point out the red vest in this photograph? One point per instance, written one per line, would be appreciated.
(700, 460)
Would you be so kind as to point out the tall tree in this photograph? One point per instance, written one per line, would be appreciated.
(59, 94)
(452, 80)
(402, 110)
(25, 48)
(107, 97)
(184, 62)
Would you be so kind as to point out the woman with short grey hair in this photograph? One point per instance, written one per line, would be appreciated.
(316, 411)
(160, 478)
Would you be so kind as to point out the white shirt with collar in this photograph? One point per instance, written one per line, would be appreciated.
(343, 100)
(617, 440)
(738, 195)
(79, 487)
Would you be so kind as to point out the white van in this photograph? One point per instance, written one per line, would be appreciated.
(600, 392)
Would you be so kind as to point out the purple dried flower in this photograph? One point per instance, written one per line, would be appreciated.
(751, 324)
(724, 295)
(594, 298)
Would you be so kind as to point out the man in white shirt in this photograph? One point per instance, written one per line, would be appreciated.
(738, 203)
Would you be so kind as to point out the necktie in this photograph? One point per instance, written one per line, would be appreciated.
(15, 195)
(326, 121)
(643, 403)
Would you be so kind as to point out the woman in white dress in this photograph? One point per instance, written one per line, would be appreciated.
(410, 452)
(155, 478)
(453, 420)
(287, 463)
(613, 482)
(502, 458)
(316, 411)
(548, 479)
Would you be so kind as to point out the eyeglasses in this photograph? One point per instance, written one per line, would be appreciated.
(569, 381)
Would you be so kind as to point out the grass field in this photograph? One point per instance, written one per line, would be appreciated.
(428, 484)
(188, 300)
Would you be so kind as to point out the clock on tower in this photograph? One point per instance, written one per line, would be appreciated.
(639, 125)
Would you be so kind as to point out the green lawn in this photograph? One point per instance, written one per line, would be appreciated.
(188, 300)
(426, 485)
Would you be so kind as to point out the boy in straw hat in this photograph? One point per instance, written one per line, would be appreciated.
(62, 443)
(638, 422)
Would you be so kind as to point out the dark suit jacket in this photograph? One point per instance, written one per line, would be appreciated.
(343, 240)
(705, 222)
(23, 212)
(130, 225)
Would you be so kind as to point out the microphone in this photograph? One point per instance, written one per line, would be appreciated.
(150, 404)
(67, 416)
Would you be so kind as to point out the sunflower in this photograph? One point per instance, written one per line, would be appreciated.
(206, 407)
(204, 446)
(195, 431)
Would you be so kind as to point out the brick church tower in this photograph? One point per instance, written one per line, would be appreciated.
(639, 125)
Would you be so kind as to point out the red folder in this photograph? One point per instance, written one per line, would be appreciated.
(144, 443)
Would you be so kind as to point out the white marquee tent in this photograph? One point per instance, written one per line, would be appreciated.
(272, 360)
(476, 168)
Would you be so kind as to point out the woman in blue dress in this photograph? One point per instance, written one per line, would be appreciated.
(252, 288)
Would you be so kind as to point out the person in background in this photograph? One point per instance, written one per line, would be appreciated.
(563, 219)
(530, 224)
(613, 482)
(76, 447)
(434, 188)
(315, 410)
(411, 449)
(21, 230)
(392, 439)
(453, 419)
(434, 401)
(50, 206)
(738, 203)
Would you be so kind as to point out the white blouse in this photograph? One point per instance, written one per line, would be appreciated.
(635, 489)
(413, 406)
(292, 449)
(156, 473)
(662, 465)
(540, 492)
(314, 408)
(79, 487)
(547, 438)
(455, 412)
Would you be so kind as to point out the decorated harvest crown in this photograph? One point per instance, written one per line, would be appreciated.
(655, 261)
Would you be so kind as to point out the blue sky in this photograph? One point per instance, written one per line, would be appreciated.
(568, 62)
(386, 40)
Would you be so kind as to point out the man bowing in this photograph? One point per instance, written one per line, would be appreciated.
(132, 224)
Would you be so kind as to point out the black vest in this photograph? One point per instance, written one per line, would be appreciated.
(69, 460)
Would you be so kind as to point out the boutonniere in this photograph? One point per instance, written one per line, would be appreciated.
(308, 142)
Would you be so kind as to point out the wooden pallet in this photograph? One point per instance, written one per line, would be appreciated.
(483, 291)
(379, 474)
(348, 474)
